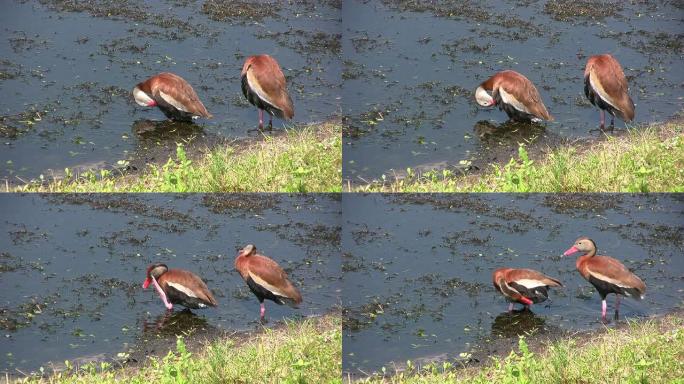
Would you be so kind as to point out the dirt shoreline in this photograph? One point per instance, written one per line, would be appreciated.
(502, 347)
(158, 344)
(500, 144)
(159, 141)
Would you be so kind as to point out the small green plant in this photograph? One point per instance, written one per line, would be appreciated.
(640, 183)
(177, 173)
(178, 367)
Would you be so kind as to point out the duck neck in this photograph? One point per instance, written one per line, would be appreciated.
(585, 257)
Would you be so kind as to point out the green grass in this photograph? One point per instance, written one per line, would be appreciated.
(647, 352)
(644, 160)
(301, 352)
(302, 160)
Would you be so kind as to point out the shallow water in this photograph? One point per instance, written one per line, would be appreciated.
(410, 69)
(72, 266)
(417, 268)
(65, 76)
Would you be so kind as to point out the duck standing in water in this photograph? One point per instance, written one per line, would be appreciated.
(606, 274)
(266, 279)
(514, 94)
(524, 286)
(172, 95)
(264, 86)
(178, 286)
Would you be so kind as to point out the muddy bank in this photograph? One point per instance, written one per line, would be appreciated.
(158, 142)
(538, 339)
(501, 143)
(158, 343)
(160, 338)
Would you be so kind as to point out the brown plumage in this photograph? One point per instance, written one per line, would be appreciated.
(178, 286)
(266, 279)
(606, 87)
(524, 286)
(606, 274)
(515, 94)
(172, 94)
(263, 84)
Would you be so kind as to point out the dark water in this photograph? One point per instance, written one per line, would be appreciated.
(71, 267)
(417, 268)
(410, 69)
(65, 76)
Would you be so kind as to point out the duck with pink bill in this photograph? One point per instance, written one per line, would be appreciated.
(515, 94)
(172, 95)
(606, 274)
(524, 286)
(266, 279)
(178, 286)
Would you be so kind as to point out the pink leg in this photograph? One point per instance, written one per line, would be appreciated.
(603, 309)
(603, 118)
(261, 118)
(510, 307)
(263, 311)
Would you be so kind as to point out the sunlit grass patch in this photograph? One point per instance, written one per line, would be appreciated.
(308, 351)
(644, 352)
(648, 159)
(302, 160)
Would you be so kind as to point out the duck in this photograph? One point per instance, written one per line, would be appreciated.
(172, 95)
(606, 274)
(524, 286)
(266, 279)
(515, 94)
(178, 286)
(264, 86)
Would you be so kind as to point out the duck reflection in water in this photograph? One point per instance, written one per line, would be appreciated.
(509, 132)
(166, 130)
(173, 323)
(516, 323)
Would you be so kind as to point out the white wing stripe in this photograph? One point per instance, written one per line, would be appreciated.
(510, 99)
(510, 289)
(257, 89)
(172, 101)
(599, 89)
(530, 284)
(608, 279)
(182, 288)
(266, 285)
